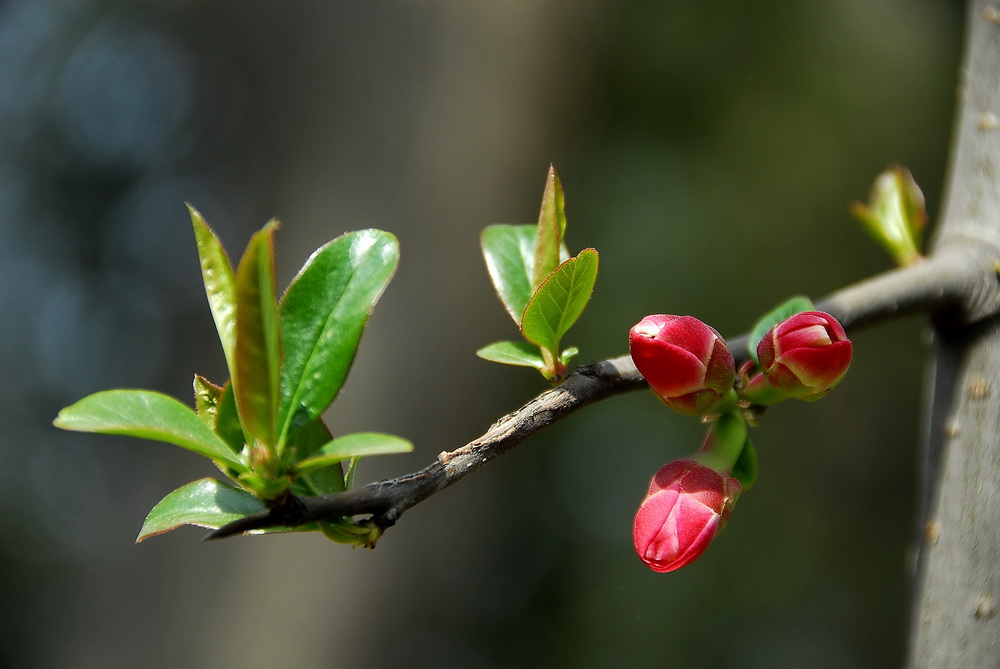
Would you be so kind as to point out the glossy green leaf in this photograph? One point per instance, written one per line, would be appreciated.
(227, 422)
(148, 415)
(323, 314)
(509, 251)
(359, 444)
(258, 341)
(513, 353)
(787, 309)
(304, 442)
(560, 300)
(551, 230)
(217, 274)
(206, 503)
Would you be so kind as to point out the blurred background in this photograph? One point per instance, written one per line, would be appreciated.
(708, 151)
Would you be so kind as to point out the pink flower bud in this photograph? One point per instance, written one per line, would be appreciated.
(686, 506)
(686, 362)
(806, 355)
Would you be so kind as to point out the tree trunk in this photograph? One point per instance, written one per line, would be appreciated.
(958, 567)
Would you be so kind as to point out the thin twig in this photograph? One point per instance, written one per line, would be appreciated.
(387, 500)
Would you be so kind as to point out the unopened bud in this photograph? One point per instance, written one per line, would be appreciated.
(687, 504)
(804, 356)
(687, 363)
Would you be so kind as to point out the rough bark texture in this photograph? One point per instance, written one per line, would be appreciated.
(954, 620)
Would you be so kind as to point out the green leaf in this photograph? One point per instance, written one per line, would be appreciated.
(304, 442)
(787, 309)
(352, 469)
(895, 215)
(357, 445)
(323, 314)
(148, 415)
(745, 469)
(346, 531)
(227, 422)
(206, 503)
(217, 274)
(551, 229)
(258, 341)
(509, 251)
(307, 439)
(269, 486)
(560, 300)
(207, 397)
(513, 353)
(569, 354)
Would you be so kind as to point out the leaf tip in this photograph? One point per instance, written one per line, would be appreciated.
(196, 217)
(145, 533)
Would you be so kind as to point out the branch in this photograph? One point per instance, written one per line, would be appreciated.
(387, 500)
(932, 284)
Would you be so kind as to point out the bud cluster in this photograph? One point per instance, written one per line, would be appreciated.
(689, 366)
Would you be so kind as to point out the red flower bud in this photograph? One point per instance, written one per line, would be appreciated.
(686, 506)
(806, 355)
(686, 362)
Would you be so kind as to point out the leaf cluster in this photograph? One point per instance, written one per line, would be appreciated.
(895, 216)
(542, 288)
(288, 359)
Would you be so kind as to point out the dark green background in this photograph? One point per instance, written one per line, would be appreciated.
(708, 151)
